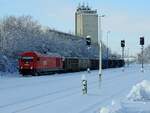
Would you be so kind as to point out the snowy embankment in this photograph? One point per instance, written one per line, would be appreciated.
(137, 101)
(140, 92)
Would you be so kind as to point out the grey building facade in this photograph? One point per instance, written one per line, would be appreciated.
(86, 23)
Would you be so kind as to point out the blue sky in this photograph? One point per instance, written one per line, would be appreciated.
(126, 19)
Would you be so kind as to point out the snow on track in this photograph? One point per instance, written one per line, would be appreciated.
(62, 93)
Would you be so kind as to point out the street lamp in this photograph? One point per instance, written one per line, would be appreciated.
(128, 56)
(108, 32)
(100, 46)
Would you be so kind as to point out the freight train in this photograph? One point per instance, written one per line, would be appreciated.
(35, 63)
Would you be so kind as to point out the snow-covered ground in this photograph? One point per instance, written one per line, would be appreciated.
(63, 93)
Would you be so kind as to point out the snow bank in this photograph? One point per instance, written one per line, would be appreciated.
(9, 74)
(135, 107)
(3, 63)
(140, 92)
(113, 108)
(104, 110)
(137, 101)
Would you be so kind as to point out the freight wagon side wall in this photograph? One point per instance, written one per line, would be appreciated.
(84, 64)
(71, 64)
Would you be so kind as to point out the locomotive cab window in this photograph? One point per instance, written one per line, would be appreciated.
(27, 59)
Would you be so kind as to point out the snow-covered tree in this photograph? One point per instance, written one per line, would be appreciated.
(146, 55)
(19, 34)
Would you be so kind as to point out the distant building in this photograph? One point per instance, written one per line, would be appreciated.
(86, 22)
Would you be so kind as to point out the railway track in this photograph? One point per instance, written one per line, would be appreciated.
(38, 82)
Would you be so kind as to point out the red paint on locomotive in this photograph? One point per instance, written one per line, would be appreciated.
(35, 63)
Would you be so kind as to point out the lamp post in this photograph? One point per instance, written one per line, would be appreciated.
(100, 46)
(128, 56)
(108, 32)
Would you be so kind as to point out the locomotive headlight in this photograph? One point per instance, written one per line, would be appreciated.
(31, 67)
(21, 67)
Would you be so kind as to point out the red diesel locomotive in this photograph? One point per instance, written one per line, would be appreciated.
(35, 63)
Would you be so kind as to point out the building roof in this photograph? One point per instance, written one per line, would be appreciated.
(85, 9)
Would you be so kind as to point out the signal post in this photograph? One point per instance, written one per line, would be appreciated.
(123, 46)
(88, 43)
(142, 48)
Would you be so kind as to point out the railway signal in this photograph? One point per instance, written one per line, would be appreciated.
(88, 41)
(141, 40)
(122, 43)
(142, 48)
(123, 46)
